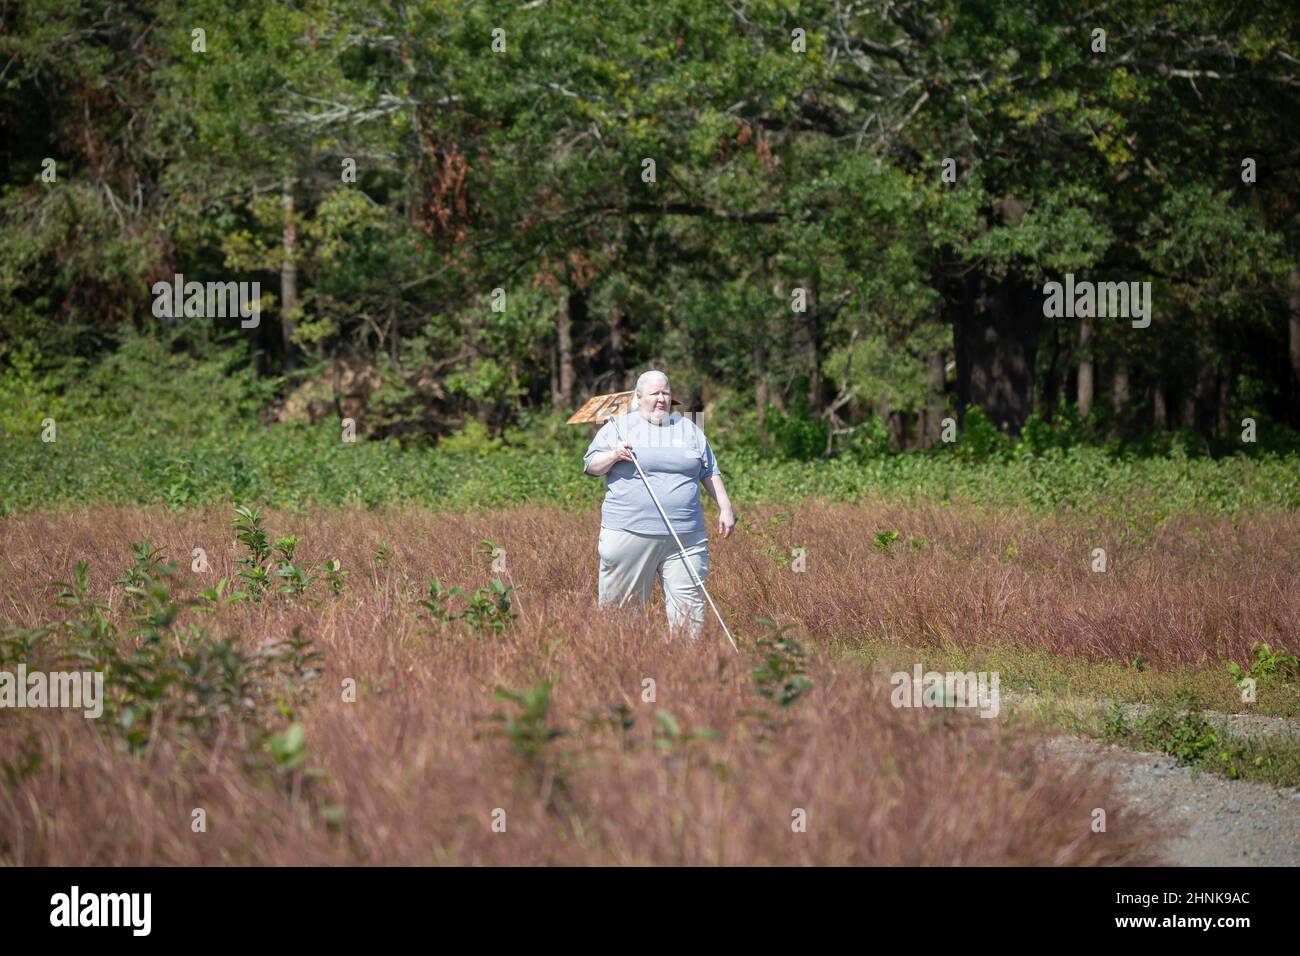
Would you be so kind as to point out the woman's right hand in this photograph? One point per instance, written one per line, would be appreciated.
(602, 463)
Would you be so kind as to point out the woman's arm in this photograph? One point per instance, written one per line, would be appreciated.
(601, 464)
(726, 519)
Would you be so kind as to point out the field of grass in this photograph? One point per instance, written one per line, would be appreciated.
(329, 704)
(350, 680)
(296, 467)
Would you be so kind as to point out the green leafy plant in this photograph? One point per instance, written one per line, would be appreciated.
(253, 566)
(617, 717)
(487, 609)
(160, 672)
(289, 749)
(439, 598)
(146, 564)
(488, 550)
(265, 562)
(335, 576)
(779, 675)
(528, 730)
(1268, 664)
(669, 737)
(1115, 723)
(1180, 730)
(296, 579)
(210, 598)
(885, 540)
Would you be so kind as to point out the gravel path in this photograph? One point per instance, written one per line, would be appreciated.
(1211, 820)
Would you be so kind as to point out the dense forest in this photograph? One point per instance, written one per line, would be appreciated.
(838, 221)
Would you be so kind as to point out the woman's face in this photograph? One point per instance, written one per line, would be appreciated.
(655, 400)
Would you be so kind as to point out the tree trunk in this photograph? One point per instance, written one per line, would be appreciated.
(564, 348)
(995, 329)
(811, 333)
(1119, 388)
(1052, 380)
(883, 413)
(934, 400)
(555, 376)
(616, 364)
(1222, 398)
(1197, 411)
(288, 275)
(616, 254)
(1085, 368)
(1119, 393)
(762, 393)
(1160, 408)
(1294, 303)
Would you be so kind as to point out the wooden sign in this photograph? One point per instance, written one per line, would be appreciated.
(601, 408)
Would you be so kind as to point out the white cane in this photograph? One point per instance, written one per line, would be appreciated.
(689, 567)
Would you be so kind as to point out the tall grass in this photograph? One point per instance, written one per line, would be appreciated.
(546, 718)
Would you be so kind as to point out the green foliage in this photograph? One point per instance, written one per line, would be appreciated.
(157, 672)
(335, 575)
(885, 540)
(1267, 665)
(980, 440)
(1039, 437)
(1115, 725)
(823, 179)
(249, 533)
(779, 676)
(489, 551)
(297, 580)
(527, 729)
(289, 748)
(294, 467)
(486, 609)
(145, 566)
(152, 387)
(796, 435)
(669, 738)
(1180, 729)
(264, 560)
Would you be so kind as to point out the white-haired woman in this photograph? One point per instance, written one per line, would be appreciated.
(635, 546)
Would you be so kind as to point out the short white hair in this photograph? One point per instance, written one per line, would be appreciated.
(647, 376)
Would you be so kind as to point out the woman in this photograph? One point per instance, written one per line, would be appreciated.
(635, 545)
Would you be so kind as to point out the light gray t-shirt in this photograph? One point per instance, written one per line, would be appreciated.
(675, 456)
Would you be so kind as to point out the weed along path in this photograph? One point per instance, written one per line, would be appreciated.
(1209, 820)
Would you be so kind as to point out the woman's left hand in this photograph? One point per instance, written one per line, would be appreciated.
(726, 521)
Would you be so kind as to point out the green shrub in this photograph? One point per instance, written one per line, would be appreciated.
(1267, 665)
(158, 672)
(779, 676)
(486, 609)
(292, 467)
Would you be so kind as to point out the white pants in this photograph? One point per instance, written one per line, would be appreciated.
(630, 562)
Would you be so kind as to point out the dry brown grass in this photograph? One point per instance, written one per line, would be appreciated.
(417, 782)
